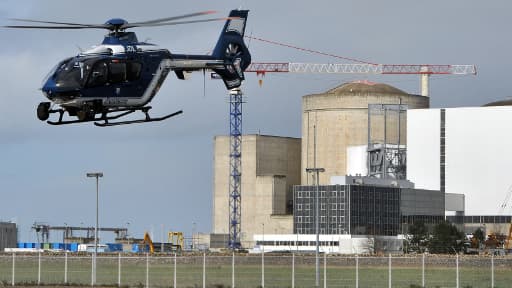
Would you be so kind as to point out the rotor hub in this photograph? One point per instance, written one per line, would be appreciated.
(116, 24)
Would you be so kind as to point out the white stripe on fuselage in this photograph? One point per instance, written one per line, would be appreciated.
(152, 89)
(120, 49)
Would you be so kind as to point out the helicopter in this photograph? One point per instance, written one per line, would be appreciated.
(122, 75)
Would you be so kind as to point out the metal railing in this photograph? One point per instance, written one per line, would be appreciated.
(253, 270)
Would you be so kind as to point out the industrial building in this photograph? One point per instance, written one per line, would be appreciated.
(386, 162)
(464, 151)
(340, 118)
(8, 235)
(270, 168)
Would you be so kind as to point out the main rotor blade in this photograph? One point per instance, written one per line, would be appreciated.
(57, 23)
(179, 22)
(53, 27)
(172, 18)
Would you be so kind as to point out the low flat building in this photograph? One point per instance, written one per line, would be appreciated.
(355, 208)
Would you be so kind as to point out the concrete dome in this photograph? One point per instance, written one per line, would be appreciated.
(366, 87)
(506, 102)
(340, 117)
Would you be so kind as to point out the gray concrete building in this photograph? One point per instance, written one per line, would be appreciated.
(270, 168)
(8, 235)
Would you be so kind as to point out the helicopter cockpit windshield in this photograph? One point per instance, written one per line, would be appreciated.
(70, 74)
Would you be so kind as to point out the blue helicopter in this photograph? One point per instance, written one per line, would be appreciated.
(122, 75)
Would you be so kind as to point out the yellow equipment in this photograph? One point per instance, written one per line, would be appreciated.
(176, 240)
(508, 242)
(147, 241)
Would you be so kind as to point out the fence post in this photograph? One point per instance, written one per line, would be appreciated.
(204, 270)
(13, 266)
(263, 268)
(389, 271)
(66, 267)
(147, 269)
(492, 271)
(119, 270)
(457, 274)
(357, 271)
(423, 271)
(293, 270)
(233, 271)
(325, 270)
(174, 271)
(39, 269)
(92, 269)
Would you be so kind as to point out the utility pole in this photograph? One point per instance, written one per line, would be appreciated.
(317, 171)
(95, 175)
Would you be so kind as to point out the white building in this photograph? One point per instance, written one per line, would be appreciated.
(475, 159)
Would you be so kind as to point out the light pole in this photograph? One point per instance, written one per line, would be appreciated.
(317, 232)
(96, 175)
(263, 256)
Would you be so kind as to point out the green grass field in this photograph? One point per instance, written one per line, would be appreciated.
(340, 272)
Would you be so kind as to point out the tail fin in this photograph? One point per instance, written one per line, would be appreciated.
(232, 51)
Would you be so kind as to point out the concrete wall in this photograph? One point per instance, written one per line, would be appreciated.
(478, 157)
(270, 167)
(341, 120)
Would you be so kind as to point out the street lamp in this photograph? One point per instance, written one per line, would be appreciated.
(317, 261)
(96, 175)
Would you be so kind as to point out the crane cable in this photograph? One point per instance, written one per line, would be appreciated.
(308, 50)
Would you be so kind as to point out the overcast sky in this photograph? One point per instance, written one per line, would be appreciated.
(160, 174)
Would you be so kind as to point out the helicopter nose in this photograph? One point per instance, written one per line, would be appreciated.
(48, 89)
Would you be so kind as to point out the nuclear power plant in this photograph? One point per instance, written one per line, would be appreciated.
(372, 160)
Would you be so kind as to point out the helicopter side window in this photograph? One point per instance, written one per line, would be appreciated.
(133, 71)
(117, 72)
(99, 74)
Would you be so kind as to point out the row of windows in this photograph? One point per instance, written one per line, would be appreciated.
(310, 219)
(479, 219)
(114, 72)
(322, 194)
(299, 243)
(332, 206)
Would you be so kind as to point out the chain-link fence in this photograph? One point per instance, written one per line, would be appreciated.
(256, 270)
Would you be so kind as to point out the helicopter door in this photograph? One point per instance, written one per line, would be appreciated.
(99, 74)
(97, 83)
(125, 75)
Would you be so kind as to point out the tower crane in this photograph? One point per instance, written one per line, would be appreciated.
(262, 68)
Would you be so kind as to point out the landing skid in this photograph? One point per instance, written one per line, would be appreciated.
(147, 119)
(104, 120)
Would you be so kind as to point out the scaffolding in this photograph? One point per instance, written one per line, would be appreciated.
(386, 134)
